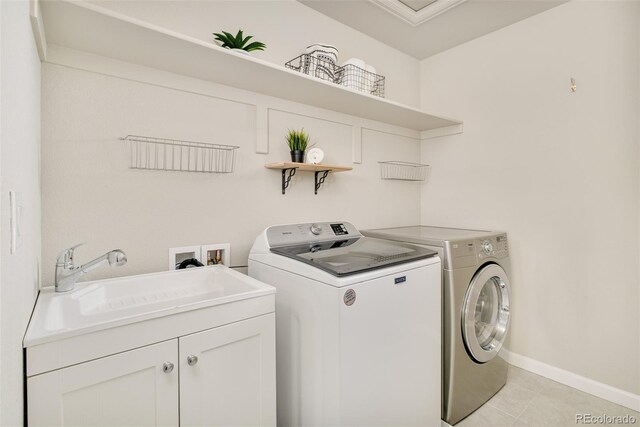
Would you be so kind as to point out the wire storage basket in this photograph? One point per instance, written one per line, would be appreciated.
(183, 156)
(319, 67)
(348, 75)
(403, 171)
(354, 77)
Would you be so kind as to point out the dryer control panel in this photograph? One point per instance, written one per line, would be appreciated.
(493, 247)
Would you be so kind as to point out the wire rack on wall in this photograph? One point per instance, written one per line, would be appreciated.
(183, 156)
(348, 75)
(403, 171)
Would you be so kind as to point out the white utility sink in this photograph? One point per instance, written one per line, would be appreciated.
(102, 304)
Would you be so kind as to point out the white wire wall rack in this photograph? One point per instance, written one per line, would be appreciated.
(403, 171)
(163, 154)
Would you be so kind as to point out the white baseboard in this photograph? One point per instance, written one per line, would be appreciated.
(576, 381)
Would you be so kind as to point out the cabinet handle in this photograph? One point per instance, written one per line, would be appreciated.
(192, 359)
(167, 367)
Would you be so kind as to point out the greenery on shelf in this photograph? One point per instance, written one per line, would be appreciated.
(298, 140)
(230, 41)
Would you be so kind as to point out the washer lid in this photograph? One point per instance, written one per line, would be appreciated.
(350, 256)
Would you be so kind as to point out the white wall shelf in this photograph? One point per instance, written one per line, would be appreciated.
(93, 29)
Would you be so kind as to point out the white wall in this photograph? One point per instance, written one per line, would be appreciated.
(557, 170)
(1, 115)
(20, 155)
(287, 27)
(90, 194)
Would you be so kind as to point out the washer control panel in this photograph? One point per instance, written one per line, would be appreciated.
(487, 247)
(293, 234)
(493, 247)
(316, 229)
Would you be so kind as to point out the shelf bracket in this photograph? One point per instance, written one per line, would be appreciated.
(320, 181)
(286, 180)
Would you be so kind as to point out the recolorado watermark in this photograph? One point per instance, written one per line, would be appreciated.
(605, 419)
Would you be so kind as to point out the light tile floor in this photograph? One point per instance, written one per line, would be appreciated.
(531, 400)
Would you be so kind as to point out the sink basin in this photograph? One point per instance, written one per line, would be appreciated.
(102, 304)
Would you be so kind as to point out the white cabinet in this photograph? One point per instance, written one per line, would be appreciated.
(223, 376)
(227, 375)
(126, 389)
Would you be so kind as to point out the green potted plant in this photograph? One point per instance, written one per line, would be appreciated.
(238, 42)
(297, 140)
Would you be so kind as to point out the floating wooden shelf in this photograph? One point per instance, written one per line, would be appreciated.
(320, 171)
(307, 167)
(90, 28)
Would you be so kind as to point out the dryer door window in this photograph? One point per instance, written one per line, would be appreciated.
(485, 313)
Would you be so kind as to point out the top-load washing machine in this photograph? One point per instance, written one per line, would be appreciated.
(357, 326)
(476, 311)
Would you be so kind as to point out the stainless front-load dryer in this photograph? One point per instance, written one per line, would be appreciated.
(476, 311)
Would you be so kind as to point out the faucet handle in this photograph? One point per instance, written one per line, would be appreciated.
(66, 257)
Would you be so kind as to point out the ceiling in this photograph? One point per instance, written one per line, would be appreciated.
(422, 28)
(417, 5)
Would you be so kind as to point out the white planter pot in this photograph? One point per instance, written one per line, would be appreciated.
(242, 51)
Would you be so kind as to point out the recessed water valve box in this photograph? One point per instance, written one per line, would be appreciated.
(178, 255)
(218, 253)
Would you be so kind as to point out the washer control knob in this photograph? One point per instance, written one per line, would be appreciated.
(487, 247)
(316, 229)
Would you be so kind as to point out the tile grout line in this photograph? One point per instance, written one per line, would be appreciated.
(515, 417)
(500, 410)
(495, 407)
(530, 402)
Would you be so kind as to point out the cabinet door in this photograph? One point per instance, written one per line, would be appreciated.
(126, 389)
(232, 383)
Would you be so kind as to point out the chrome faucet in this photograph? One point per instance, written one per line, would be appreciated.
(67, 273)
